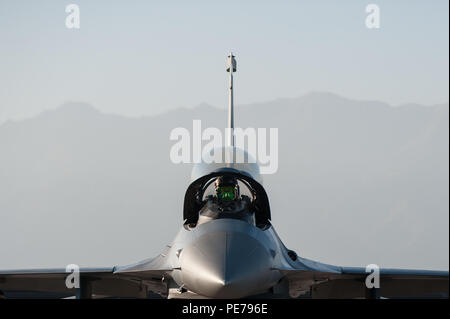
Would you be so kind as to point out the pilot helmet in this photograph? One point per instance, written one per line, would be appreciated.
(227, 188)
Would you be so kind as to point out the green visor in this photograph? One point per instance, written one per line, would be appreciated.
(226, 193)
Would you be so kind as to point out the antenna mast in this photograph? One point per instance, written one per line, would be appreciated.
(231, 67)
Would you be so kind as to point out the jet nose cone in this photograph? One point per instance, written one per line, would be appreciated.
(226, 265)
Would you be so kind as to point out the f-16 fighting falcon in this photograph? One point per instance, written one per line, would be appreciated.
(227, 247)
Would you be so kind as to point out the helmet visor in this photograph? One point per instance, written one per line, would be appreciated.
(226, 193)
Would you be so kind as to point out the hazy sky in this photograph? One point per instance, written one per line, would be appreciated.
(145, 57)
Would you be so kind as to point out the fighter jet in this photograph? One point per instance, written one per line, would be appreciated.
(227, 247)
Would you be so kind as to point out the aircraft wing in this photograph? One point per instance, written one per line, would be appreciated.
(94, 282)
(328, 281)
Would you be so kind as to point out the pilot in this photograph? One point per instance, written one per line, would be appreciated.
(227, 190)
(227, 202)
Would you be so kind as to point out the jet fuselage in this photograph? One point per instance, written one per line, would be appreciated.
(227, 258)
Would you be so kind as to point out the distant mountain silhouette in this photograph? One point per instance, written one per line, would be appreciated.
(359, 182)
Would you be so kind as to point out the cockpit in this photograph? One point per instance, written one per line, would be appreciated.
(227, 197)
(231, 190)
